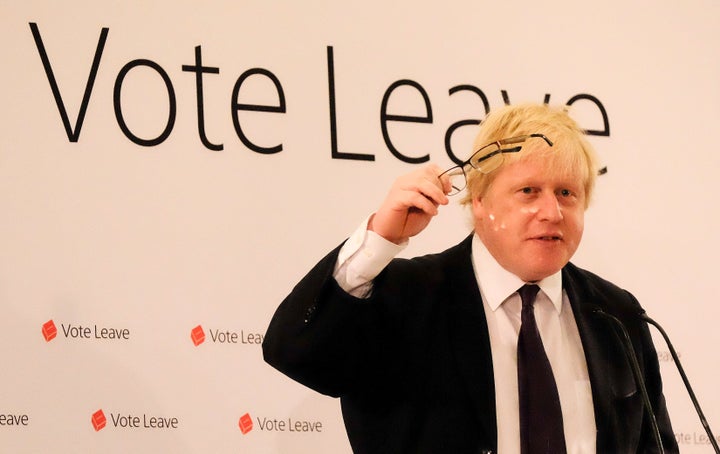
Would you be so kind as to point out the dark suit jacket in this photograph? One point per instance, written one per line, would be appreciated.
(412, 364)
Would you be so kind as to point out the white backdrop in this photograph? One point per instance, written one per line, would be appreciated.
(149, 242)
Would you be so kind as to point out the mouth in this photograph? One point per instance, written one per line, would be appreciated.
(548, 238)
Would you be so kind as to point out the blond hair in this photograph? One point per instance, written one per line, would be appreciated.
(570, 151)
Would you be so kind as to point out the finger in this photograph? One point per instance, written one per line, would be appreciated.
(442, 180)
(446, 183)
(434, 190)
(421, 202)
(428, 185)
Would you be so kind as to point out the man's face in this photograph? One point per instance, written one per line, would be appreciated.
(531, 219)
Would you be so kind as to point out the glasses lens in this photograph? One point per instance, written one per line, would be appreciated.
(487, 159)
(457, 181)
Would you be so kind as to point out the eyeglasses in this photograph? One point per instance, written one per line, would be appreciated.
(486, 159)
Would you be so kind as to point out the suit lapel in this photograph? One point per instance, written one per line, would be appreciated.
(469, 338)
(610, 374)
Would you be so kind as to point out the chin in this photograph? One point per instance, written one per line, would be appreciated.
(539, 273)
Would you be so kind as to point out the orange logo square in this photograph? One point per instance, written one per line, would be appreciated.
(49, 331)
(197, 335)
(98, 420)
(246, 424)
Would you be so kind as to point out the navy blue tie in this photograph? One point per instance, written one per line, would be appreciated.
(541, 422)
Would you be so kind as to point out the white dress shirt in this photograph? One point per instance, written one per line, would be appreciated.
(364, 256)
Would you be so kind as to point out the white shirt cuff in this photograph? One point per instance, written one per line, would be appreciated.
(363, 256)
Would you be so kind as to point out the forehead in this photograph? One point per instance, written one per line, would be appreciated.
(541, 170)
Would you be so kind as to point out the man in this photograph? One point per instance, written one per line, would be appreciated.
(425, 353)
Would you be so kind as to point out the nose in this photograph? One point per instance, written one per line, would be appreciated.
(549, 208)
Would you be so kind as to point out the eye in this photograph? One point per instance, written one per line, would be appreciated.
(527, 193)
(569, 196)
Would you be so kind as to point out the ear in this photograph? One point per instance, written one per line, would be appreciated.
(478, 208)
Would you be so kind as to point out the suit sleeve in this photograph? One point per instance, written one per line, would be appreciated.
(323, 337)
(338, 344)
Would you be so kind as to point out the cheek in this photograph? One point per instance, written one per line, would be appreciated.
(576, 225)
(578, 218)
(487, 218)
(496, 218)
(509, 223)
(530, 211)
(495, 223)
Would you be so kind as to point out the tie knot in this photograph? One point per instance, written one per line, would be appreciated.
(527, 294)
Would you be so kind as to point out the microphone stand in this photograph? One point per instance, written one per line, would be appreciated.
(630, 353)
(695, 402)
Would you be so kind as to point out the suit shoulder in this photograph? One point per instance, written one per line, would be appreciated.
(592, 279)
(599, 290)
(454, 253)
(430, 270)
(439, 260)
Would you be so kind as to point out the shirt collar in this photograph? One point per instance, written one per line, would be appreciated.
(497, 284)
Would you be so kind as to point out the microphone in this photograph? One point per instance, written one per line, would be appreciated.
(639, 380)
(680, 369)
